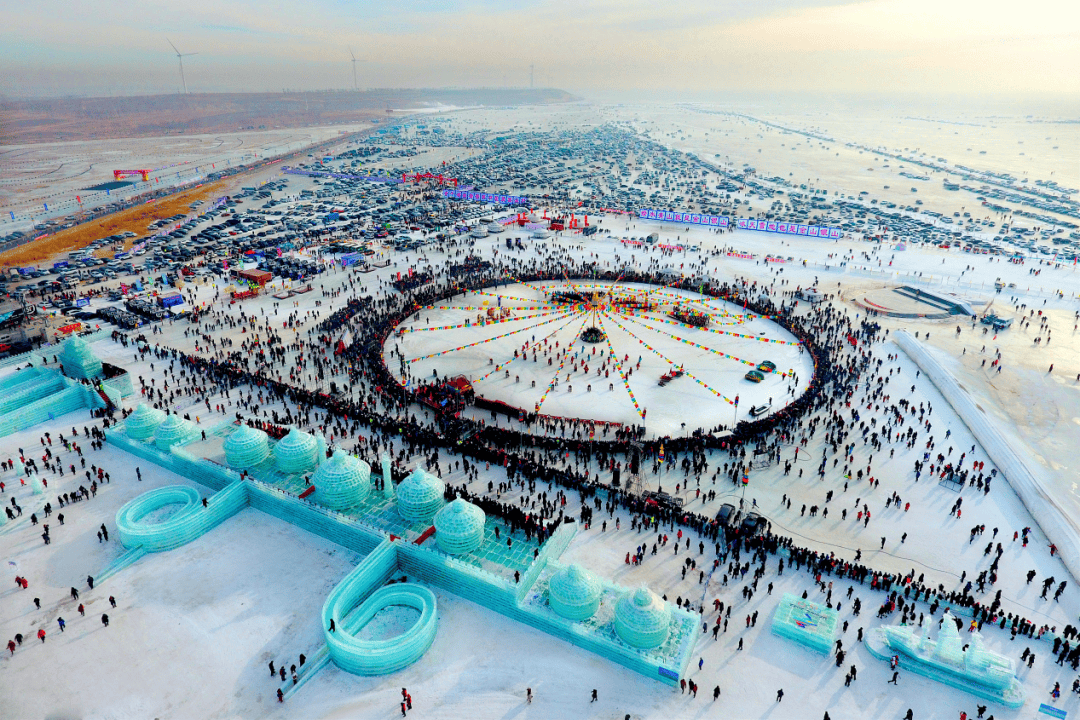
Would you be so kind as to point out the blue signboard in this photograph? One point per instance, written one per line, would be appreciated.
(684, 217)
(61, 264)
(82, 302)
(486, 197)
(1052, 711)
(786, 228)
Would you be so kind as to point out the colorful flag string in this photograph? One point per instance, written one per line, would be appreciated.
(481, 342)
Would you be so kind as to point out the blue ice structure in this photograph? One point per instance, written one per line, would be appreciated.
(36, 390)
(342, 482)
(419, 496)
(171, 516)
(459, 528)
(143, 422)
(297, 452)
(642, 619)
(410, 533)
(807, 623)
(32, 395)
(964, 665)
(78, 359)
(174, 430)
(246, 447)
(358, 599)
(574, 593)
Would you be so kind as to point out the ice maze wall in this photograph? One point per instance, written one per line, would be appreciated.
(150, 523)
(44, 395)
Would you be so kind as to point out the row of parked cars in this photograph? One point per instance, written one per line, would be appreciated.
(121, 317)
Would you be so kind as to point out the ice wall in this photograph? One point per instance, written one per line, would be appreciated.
(1023, 474)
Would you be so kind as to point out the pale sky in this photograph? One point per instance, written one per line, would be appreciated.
(111, 47)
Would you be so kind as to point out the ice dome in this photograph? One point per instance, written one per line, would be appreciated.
(459, 527)
(574, 593)
(246, 447)
(175, 430)
(419, 496)
(296, 452)
(78, 359)
(642, 618)
(141, 424)
(342, 481)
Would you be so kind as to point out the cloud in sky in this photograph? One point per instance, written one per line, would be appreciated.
(52, 47)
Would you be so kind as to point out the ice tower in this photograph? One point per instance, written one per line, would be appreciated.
(342, 482)
(78, 360)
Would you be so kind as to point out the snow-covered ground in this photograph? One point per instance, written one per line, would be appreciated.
(648, 345)
(194, 628)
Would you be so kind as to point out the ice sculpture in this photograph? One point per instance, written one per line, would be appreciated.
(142, 522)
(420, 496)
(806, 622)
(574, 593)
(342, 482)
(246, 447)
(459, 527)
(388, 481)
(968, 666)
(78, 359)
(296, 453)
(358, 598)
(141, 424)
(642, 619)
(175, 430)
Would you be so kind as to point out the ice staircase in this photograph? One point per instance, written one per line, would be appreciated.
(108, 403)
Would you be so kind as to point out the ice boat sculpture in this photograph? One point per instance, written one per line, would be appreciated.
(963, 663)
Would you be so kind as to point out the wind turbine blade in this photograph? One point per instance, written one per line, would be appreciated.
(190, 54)
(351, 54)
(172, 46)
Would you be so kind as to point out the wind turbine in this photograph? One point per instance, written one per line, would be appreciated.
(180, 56)
(353, 68)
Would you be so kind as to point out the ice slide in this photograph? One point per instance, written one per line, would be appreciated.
(1022, 474)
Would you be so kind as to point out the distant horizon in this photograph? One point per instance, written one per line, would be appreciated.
(1064, 106)
(962, 47)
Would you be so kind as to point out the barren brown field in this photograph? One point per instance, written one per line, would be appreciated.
(66, 119)
(134, 219)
